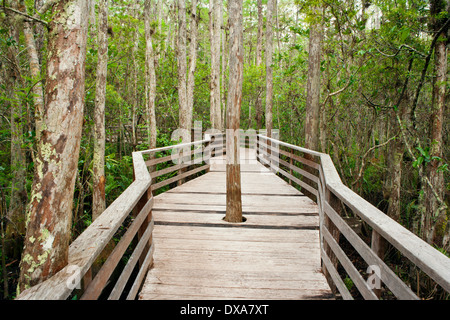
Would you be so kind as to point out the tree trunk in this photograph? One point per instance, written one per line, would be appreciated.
(35, 72)
(150, 78)
(134, 92)
(192, 61)
(182, 69)
(49, 213)
(313, 86)
(259, 42)
(215, 23)
(234, 201)
(269, 69)
(98, 192)
(15, 227)
(436, 219)
(224, 70)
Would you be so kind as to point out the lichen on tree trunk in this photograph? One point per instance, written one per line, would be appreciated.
(49, 214)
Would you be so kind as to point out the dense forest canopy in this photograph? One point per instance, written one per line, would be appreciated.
(378, 104)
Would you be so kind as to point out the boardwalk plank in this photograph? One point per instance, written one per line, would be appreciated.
(275, 254)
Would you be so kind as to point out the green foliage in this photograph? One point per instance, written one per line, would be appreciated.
(348, 283)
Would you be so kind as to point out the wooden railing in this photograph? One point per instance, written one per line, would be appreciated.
(77, 280)
(312, 171)
(174, 164)
(315, 173)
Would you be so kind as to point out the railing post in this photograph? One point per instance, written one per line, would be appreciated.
(378, 245)
(291, 162)
(207, 151)
(334, 202)
(141, 203)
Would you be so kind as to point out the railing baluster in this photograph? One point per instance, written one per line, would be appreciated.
(378, 247)
(333, 201)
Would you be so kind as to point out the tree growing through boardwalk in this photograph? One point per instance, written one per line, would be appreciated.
(234, 201)
(49, 214)
(215, 22)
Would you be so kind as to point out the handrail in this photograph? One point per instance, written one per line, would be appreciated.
(188, 165)
(84, 250)
(331, 194)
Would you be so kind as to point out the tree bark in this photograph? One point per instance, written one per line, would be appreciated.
(182, 69)
(49, 213)
(134, 76)
(259, 42)
(99, 180)
(313, 85)
(234, 201)
(192, 61)
(215, 23)
(150, 78)
(11, 78)
(436, 216)
(269, 69)
(35, 72)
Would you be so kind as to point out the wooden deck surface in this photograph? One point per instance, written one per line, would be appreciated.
(273, 255)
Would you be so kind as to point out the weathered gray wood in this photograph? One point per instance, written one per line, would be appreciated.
(176, 167)
(335, 276)
(126, 272)
(427, 258)
(289, 176)
(193, 242)
(95, 288)
(378, 245)
(396, 285)
(431, 261)
(357, 279)
(158, 185)
(178, 146)
(141, 274)
(293, 156)
(288, 145)
(86, 248)
(259, 205)
(168, 158)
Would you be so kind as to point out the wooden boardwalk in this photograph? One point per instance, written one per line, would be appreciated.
(275, 254)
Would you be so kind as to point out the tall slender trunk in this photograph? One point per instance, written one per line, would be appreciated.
(49, 213)
(436, 220)
(269, 69)
(35, 72)
(214, 25)
(234, 201)
(15, 227)
(313, 85)
(134, 92)
(150, 78)
(259, 43)
(224, 71)
(182, 69)
(192, 61)
(98, 192)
